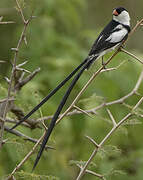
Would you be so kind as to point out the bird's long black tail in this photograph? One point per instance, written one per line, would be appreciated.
(50, 95)
(59, 109)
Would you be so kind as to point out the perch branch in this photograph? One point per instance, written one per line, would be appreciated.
(84, 168)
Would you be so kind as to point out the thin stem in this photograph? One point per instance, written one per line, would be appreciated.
(12, 73)
(27, 156)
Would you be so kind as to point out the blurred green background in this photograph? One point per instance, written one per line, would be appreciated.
(59, 38)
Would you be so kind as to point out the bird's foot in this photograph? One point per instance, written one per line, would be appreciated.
(103, 63)
(122, 46)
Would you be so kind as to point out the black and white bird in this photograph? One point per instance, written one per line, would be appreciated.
(112, 36)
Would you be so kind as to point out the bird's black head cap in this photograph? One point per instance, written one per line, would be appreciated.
(120, 9)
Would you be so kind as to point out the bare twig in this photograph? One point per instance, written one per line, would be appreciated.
(93, 173)
(105, 104)
(82, 111)
(139, 102)
(5, 22)
(21, 12)
(25, 137)
(113, 68)
(16, 50)
(20, 84)
(10, 99)
(8, 22)
(132, 55)
(83, 170)
(135, 27)
(93, 141)
(112, 118)
(1, 61)
(27, 156)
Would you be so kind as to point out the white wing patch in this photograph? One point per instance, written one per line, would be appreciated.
(117, 36)
(118, 27)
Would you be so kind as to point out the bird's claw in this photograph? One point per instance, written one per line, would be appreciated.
(103, 64)
(122, 46)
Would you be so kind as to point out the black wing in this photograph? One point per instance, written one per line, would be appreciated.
(101, 44)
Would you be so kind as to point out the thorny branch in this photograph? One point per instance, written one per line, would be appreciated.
(11, 82)
(84, 169)
(5, 22)
(105, 104)
(16, 83)
(26, 157)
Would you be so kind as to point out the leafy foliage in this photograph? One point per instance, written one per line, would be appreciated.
(58, 40)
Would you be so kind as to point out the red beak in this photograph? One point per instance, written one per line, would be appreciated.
(115, 13)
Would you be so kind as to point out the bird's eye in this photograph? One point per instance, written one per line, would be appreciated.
(118, 11)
